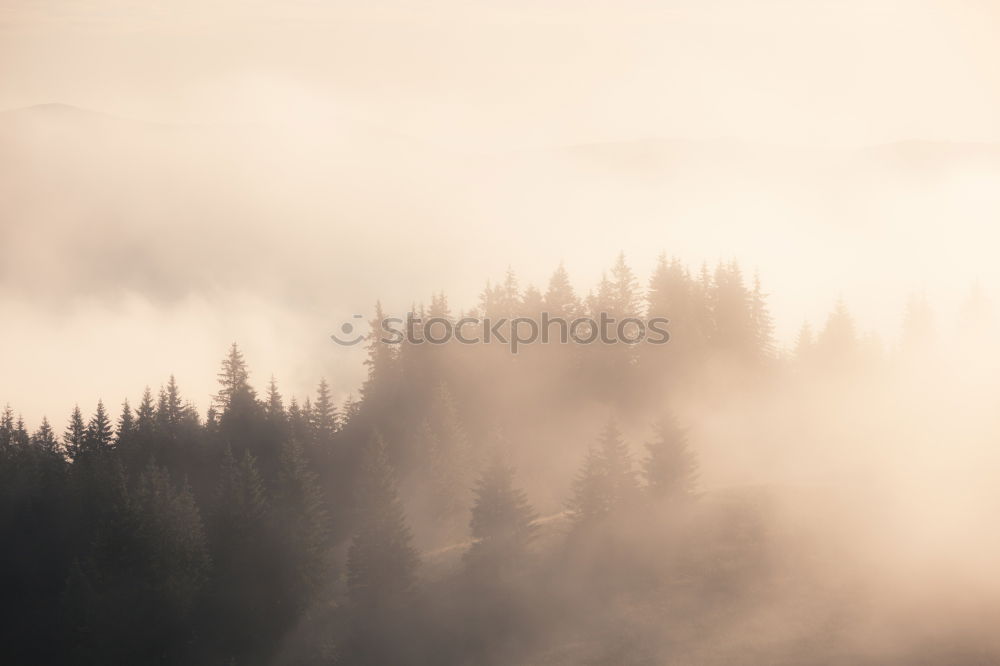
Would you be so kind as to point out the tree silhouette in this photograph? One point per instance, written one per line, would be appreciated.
(381, 561)
(606, 484)
(502, 522)
(73, 438)
(670, 467)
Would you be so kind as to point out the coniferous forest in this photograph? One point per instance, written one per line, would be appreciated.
(470, 506)
(465, 333)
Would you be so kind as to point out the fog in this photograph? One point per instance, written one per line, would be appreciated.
(175, 181)
(841, 151)
(296, 228)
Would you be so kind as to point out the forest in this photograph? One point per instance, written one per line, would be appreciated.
(472, 506)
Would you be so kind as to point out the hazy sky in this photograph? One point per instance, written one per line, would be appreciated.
(527, 73)
(316, 156)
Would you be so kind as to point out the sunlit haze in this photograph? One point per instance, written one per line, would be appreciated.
(809, 191)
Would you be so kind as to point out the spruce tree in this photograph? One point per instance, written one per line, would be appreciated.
(99, 434)
(502, 524)
(449, 458)
(245, 551)
(323, 415)
(734, 330)
(126, 426)
(381, 560)
(763, 326)
(170, 410)
(587, 503)
(6, 426)
(616, 461)
(169, 524)
(274, 407)
(381, 567)
(804, 345)
(299, 422)
(20, 435)
(670, 468)
(133, 598)
(491, 301)
(303, 522)
(45, 438)
(560, 299)
(606, 483)
(439, 306)
(145, 416)
(234, 382)
(510, 295)
(73, 438)
(240, 502)
(381, 363)
(623, 289)
(532, 303)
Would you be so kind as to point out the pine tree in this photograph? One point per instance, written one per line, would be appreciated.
(20, 435)
(303, 521)
(587, 503)
(670, 467)
(99, 434)
(532, 303)
(510, 295)
(733, 328)
(439, 306)
(623, 290)
(491, 301)
(617, 464)
(126, 426)
(674, 296)
(560, 299)
(381, 363)
(175, 541)
(603, 300)
(381, 561)
(234, 382)
(73, 438)
(763, 326)
(246, 554)
(502, 524)
(172, 556)
(170, 410)
(133, 598)
(606, 483)
(323, 415)
(307, 415)
(145, 416)
(350, 409)
(274, 406)
(45, 438)
(6, 427)
(661, 299)
(804, 345)
(240, 502)
(299, 422)
(448, 455)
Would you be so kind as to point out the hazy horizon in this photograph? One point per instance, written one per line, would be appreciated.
(475, 122)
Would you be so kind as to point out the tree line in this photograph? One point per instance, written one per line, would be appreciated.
(274, 531)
